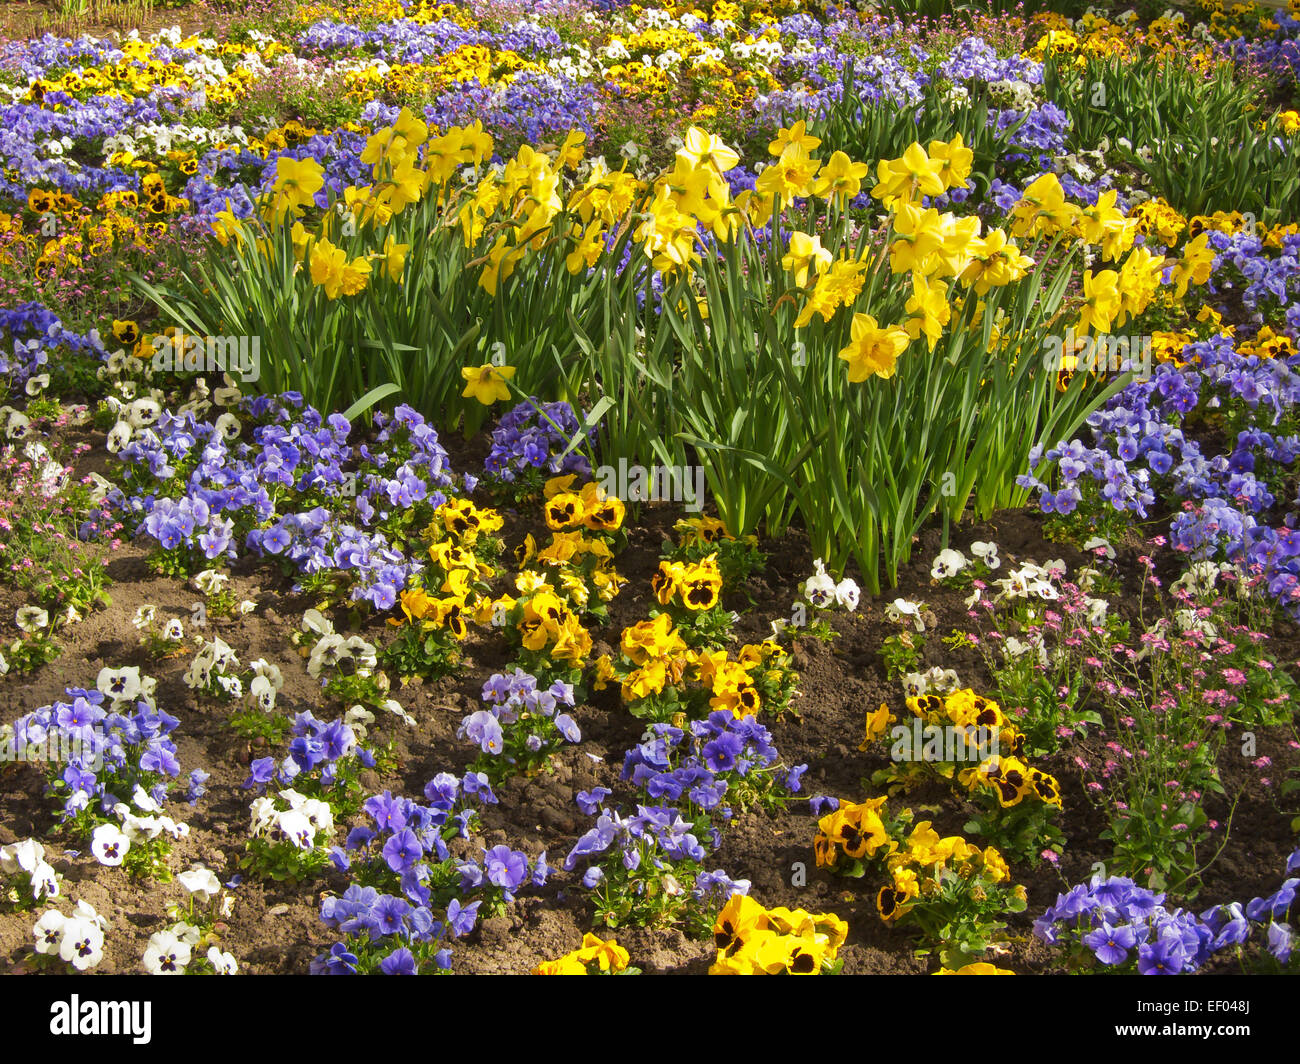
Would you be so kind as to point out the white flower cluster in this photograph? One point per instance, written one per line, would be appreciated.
(214, 669)
(153, 138)
(906, 612)
(331, 648)
(266, 684)
(306, 823)
(822, 591)
(171, 951)
(77, 939)
(143, 621)
(933, 681)
(949, 562)
(27, 858)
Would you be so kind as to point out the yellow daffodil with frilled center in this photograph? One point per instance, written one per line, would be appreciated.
(997, 261)
(952, 161)
(920, 233)
(1139, 282)
(873, 350)
(487, 383)
(297, 181)
(796, 134)
(332, 270)
(707, 150)
(914, 173)
(1042, 209)
(1101, 301)
(837, 287)
(805, 253)
(394, 258)
(929, 310)
(840, 179)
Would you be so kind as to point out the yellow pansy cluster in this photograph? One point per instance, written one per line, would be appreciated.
(451, 590)
(1005, 774)
(578, 562)
(752, 940)
(655, 659)
(919, 864)
(123, 221)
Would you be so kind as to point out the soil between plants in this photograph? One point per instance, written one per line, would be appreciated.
(275, 928)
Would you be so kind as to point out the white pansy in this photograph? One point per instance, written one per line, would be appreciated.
(82, 944)
(394, 707)
(166, 954)
(819, 589)
(31, 618)
(317, 623)
(109, 845)
(210, 581)
(121, 685)
(261, 693)
(21, 856)
(901, 611)
(948, 562)
(118, 437)
(48, 932)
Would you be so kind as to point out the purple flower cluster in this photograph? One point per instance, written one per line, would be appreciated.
(316, 747)
(516, 703)
(405, 41)
(1123, 924)
(1269, 278)
(362, 913)
(405, 834)
(287, 495)
(501, 873)
(533, 108)
(28, 335)
(698, 765)
(1140, 443)
(406, 885)
(531, 436)
(973, 59)
(1042, 130)
(106, 752)
(659, 832)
